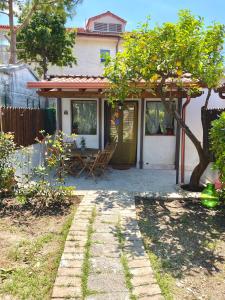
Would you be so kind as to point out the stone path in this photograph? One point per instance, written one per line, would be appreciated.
(118, 267)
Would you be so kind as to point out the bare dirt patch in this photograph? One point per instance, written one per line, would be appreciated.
(31, 247)
(186, 244)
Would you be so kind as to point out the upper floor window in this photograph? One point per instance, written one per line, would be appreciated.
(103, 54)
(107, 27)
(157, 120)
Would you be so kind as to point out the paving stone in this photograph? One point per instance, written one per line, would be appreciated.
(110, 250)
(147, 290)
(141, 271)
(105, 265)
(106, 274)
(75, 244)
(110, 296)
(73, 250)
(66, 292)
(71, 263)
(142, 280)
(108, 238)
(68, 281)
(107, 282)
(62, 271)
(152, 297)
(73, 256)
(138, 263)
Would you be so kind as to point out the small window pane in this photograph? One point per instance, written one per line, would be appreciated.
(84, 117)
(157, 120)
(103, 54)
(100, 26)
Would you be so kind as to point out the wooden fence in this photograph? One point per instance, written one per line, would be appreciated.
(25, 123)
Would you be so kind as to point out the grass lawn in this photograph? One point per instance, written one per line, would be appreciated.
(31, 247)
(186, 246)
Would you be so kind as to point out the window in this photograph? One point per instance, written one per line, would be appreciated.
(157, 120)
(115, 27)
(84, 117)
(100, 26)
(103, 54)
(108, 27)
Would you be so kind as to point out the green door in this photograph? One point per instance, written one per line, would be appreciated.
(123, 129)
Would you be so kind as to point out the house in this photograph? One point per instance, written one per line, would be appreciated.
(13, 86)
(147, 136)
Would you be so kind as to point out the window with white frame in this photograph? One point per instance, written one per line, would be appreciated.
(157, 120)
(84, 117)
(103, 54)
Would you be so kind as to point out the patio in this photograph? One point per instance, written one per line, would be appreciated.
(131, 180)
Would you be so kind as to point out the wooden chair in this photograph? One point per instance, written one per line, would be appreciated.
(112, 148)
(99, 164)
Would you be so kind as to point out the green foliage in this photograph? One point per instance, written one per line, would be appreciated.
(47, 192)
(51, 42)
(7, 172)
(168, 51)
(217, 136)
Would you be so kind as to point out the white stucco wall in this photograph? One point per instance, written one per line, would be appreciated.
(87, 51)
(92, 141)
(28, 158)
(158, 150)
(193, 120)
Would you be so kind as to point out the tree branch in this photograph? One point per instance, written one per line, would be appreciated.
(3, 12)
(207, 98)
(28, 17)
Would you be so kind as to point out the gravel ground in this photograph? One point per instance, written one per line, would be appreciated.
(189, 243)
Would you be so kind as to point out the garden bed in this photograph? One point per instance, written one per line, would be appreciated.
(186, 246)
(31, 247)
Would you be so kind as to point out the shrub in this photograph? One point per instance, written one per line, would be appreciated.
(48, 190)
(7, 171)
(217, 137)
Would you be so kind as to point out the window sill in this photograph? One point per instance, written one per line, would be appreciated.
(160, 135)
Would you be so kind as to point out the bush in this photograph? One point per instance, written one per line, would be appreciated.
(217, 137)
(7, 171)
(48, 190)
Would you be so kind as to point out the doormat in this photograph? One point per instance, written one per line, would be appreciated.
(121, 167)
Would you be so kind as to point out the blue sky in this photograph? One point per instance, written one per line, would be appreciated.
(135, 11)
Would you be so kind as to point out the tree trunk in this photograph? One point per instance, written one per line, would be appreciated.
(12, 58)
(199, 170)
(203, 157)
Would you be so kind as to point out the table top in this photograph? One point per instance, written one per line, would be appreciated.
(84, 153)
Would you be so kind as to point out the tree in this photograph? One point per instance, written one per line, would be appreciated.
(161, 56)
(217, 137)
(13, 8)
(51, 42)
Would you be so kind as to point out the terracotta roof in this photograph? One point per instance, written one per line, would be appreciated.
(74, 81)
(108, 13)
(89, 82)
(4, 27)
(80, 31)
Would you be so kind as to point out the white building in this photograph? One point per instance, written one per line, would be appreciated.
(144, 139)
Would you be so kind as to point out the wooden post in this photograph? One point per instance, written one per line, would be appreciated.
(59, 114)
(1, 123)
(177, 151)
(100, 123)
(142, 132)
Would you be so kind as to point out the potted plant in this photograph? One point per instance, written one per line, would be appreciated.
(83, 144)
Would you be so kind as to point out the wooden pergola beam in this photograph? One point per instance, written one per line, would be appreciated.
(97, 94)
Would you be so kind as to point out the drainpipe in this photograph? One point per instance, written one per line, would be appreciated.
(183, 138)
(117, 44)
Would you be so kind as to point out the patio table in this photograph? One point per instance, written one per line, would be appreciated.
(78, 158)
